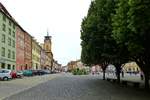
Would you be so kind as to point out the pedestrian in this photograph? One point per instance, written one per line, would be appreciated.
(142, 75)
(122, 73)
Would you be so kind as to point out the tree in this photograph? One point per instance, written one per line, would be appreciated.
(112, 52)
(131, 30)
(98, 46)
(89, 41)
(139, 25)
(119, 30)
(92, 40)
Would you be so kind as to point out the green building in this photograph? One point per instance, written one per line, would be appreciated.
(7, 40)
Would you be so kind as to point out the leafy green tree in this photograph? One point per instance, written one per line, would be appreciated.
(119, 30)
(112, 53)
(92, 41)
(88, 29)
(120, 23)
(139, 25)
(98, 46)
(131, 31)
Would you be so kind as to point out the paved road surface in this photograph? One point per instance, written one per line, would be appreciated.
(88, 87)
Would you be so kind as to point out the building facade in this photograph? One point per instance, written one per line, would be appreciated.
(76, 64)
(57, 67)
(131, 67)
(47, 63)
(43, 59)
(71, 65)
(27, 51)
(7, 40)
(20, 63)
(36, 53)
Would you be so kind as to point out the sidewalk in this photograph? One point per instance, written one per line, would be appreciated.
(11, 87)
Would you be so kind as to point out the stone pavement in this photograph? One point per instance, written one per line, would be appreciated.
(86, 87)
(8, 88)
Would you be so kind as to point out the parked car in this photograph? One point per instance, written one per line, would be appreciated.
(46, 71)
(5, 74)
(35, 72)
(27, 73)
(40, 72)
(19, 74)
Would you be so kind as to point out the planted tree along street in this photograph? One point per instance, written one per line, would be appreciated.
(117, 32)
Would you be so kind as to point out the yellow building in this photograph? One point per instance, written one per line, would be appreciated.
(71, 65)
(36, 52)
(131, 67)
(75, 64)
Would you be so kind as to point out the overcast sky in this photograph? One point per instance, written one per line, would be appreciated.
(62, 18)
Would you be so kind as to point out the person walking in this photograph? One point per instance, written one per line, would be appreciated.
(142, 75)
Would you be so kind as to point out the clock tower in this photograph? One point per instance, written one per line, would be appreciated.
(47, 47)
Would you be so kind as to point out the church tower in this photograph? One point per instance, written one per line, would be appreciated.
(48, 45)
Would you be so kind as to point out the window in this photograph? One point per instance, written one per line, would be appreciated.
(3, 38)
(9, 41)
(4, 27)
(13, 43)
(3, 65)
(9, 31)
(14, 34)
(26, 67)
(13, 26)
(8, 66)
(9, 53)
(9, 23)
(13, 54)
(4, 18)
(5, 71)
(13, 67)
(3, 52)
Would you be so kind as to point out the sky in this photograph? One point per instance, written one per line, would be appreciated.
(61, 18)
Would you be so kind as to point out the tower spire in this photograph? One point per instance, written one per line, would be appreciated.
(47, 32)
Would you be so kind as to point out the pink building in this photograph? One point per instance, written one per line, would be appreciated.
(28, 51)
(20, 63)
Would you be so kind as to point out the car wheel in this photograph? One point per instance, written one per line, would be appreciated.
(18, 76)
(5, 78)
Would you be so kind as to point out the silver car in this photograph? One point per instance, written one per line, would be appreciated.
(19, 74)
(5, 74)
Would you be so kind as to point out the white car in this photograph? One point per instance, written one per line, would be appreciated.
(5, 74)
(19, 74)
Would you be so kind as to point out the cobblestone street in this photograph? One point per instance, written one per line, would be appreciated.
(11, 87)
(69, 87)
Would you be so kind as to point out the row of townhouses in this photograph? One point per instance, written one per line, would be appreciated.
(18, 49)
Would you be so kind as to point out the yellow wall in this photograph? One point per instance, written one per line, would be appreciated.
(36, 52)
(132, 66)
